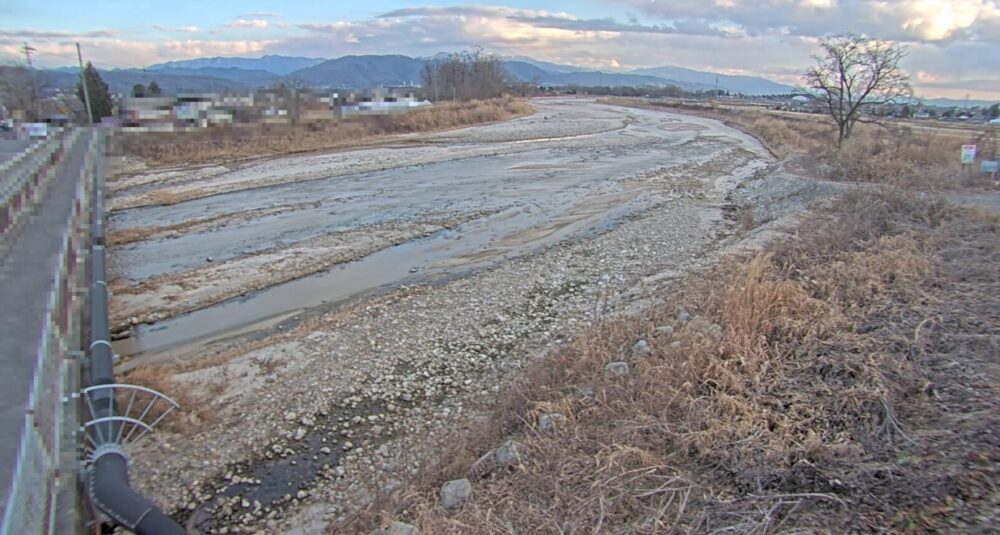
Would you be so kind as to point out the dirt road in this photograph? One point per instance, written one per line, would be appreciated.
(319, 314)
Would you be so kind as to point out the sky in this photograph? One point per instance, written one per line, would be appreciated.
(954, 45)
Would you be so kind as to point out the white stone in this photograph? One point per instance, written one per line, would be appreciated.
(550, 421)
(455, 493)
(402, 528)
(640, 349)
(618, 369)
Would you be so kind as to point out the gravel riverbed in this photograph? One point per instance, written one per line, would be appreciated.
(291, 429)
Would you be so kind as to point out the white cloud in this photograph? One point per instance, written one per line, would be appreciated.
(905, 20)
(121, 53)
(55, 34)
(261, 15)
(248, 23)
(544, 19)
(181, 29)
(954, 45)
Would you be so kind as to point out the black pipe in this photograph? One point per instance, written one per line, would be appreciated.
(107, 475)
(107, 484)
(101, 356)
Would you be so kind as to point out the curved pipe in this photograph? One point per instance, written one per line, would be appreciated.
(107, 484)
(107, 475)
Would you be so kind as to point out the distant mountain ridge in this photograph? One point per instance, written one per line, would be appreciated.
(280, 65)
(527, 72)
(956, 102)
(363, 71)
(748, 85)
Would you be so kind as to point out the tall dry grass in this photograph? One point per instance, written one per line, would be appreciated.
(778, 407)
(253, 141)
(924, 156)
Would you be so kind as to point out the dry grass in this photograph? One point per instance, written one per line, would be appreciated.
(193, 410)
(239, 143)
(796, 398)
(899, 154)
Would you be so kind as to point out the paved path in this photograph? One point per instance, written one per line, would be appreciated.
(11, 147)
(26, 281)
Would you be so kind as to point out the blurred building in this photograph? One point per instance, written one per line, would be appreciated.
(278, 105)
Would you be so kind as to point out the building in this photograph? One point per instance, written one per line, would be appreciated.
(278, 105)
(379, 101)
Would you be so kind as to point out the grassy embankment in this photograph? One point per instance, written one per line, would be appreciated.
(842, 380)
(914, 156)
(233, 144)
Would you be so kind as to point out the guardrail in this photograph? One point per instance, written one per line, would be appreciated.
(43, 494)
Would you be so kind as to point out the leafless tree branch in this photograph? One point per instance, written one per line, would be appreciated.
(855, 73)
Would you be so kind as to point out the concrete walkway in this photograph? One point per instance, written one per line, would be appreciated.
(26, 282)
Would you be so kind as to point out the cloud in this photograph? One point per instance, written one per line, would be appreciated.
(181, 29)
(963, 85)
(46, 35)
(610, 25)
(901, 20)
(953, 46)
(248, 23)
(560, 21)
(107, 53)
(261, 15)
(771, 38)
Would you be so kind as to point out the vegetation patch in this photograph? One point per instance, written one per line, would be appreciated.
(900, 154)
(843, 380)
(236, 143)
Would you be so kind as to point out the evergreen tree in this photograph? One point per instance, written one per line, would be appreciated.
(100, 98)
(138, 90)
(994, 111)
(154, 89)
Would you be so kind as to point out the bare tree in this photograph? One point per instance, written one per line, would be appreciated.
(466, 76)
(854, 73)
(429, 79)
(19, 91)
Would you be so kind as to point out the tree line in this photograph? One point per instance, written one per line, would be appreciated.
(152, 90)
(471, 75)
(22, 90)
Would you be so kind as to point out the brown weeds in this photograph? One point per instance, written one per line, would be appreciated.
(777, 406)
(253, 141)
(908, 155)
(192, 410)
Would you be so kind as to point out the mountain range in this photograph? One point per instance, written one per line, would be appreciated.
(280, 65)
(234, 73)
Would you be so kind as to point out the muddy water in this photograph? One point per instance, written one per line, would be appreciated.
(536, 197)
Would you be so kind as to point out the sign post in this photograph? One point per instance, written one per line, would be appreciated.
(968, 158)
(968, 154)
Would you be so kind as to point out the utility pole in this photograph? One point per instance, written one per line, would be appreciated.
(31, 75)
(83, 82)
(27, 53)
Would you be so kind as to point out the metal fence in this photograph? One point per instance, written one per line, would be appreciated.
(43, 496)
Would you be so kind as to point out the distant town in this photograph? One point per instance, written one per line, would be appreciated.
(221, 92)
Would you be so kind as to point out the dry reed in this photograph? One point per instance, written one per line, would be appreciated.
(253, 141)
